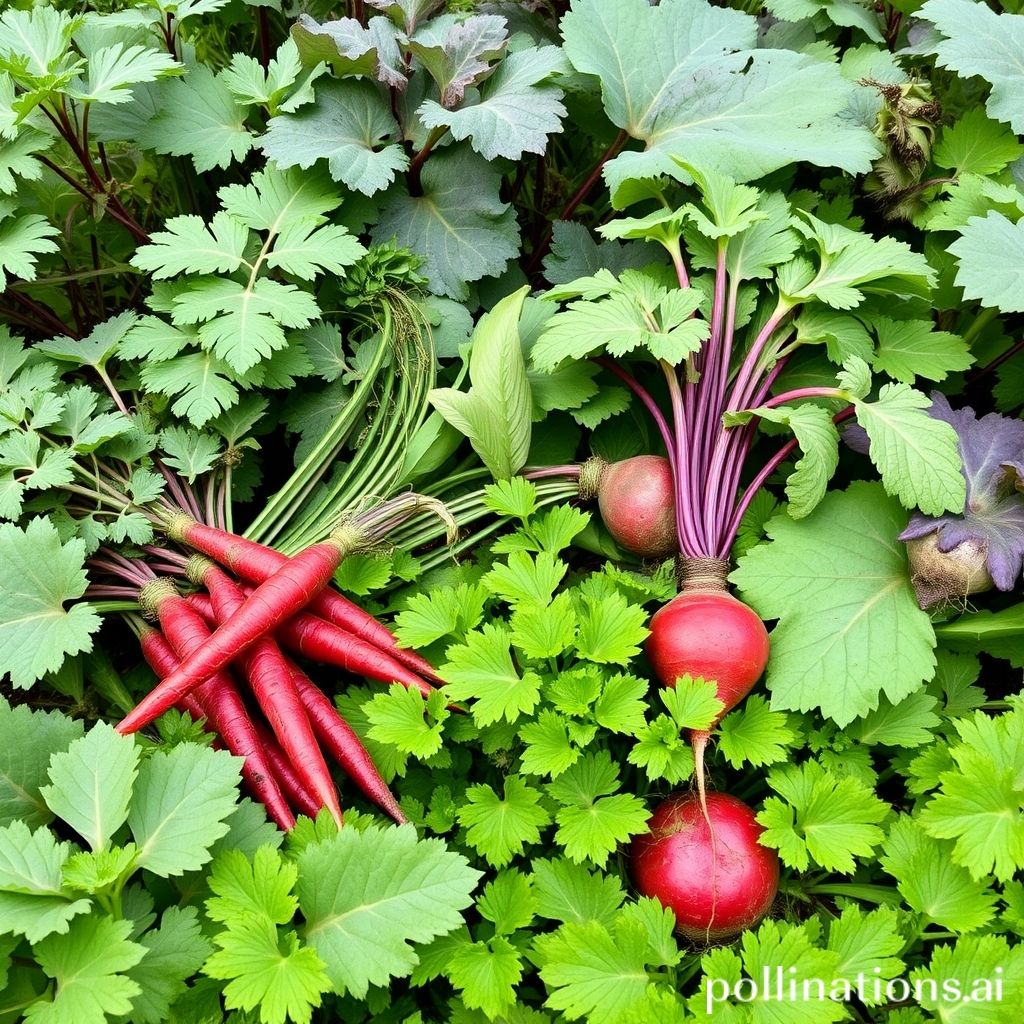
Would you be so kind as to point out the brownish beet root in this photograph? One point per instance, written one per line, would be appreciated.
(942, 576)
(637, 504)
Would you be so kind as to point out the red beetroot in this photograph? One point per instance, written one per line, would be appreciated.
(710, 871)
(635, 497)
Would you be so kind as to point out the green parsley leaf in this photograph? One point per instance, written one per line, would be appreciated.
(498, 827)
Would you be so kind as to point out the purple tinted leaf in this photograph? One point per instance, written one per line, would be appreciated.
(855, 437)
(992, 449)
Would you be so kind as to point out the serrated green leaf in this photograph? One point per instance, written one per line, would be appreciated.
(498, 827)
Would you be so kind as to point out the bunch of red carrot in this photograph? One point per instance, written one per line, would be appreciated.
(256, 602)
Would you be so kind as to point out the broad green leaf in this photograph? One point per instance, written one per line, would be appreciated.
(611, 629)
(18, 158)
(261, 886)
(306, 251)
(566, 891)
(868, 944)
(113, 70)
(91, 784)
(367, 895)
(202, 385)
(754, 734)
(38, 574)
(496, 413)
(27, 740)
(977, 41)
(88, 964)
(459, 225)
(917, 456)
(498, 827)
(179, 806)
(515, 110)
(911, 348)
(818, 439)
(22, 240)
(174, 952)
(188, 245)
(398, 717)
(272, 199)
(486, 974)
(821, 818)
(907, 724)
(845, 13)
(198, 117)
(973, 144)
(351, 48)
(849, 625)
(930, 882)
(685, 78)
(276, 974)
(994, 282)
(346, 127)
(508, 902)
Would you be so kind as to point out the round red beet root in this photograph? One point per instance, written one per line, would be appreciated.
(709, 634)
(637, 504)
(715, 891)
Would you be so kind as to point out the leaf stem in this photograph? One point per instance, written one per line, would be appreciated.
(413, 174)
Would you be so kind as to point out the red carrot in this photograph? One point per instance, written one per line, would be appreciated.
(187, 633)
(312, 637)
(271, 682)
(298, 795)
(256, 563)
(344, 745)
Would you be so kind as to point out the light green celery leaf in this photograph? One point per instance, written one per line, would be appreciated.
(38, 574)
(977, 41)
(611, 629)
(486, 974)
(88, 872)
(261, 886)
(849, 624)
(610, 401)
(968, 197)
(911, 348)
(525, 577)
(595, 818)
(151, 339)
(346, 127)
(482, 667)
(86, 429)
(917, 456)
(265, 970)
(114, 69)
(202, 385)
(515, 497)
(458, 54)
(397, 716)
(692, 703)
(23, 239)
(367, 895)
(661, 226)
(306, 251)
(459, 225)
(845, 13)
(973, 967)
(544, 631)
(33, 901)
(621, 706)
(974, 144)
(662, 751)
(672, 77)
(515, 111)
(269, 87)
(910, 723)
(818, 439)
(27, 740)
(174, 952)
(179, 806)
(18, 157)
(729, 208)
(198, 117)
(40, 36)
(496, 413)
(91, 784)
(188, 245)
(592, 971)
(851, 264)
(443, 612)
(867, 943)
(757, 250)
(274, 198)
(997, 282)
(855, 377)
(754, 734)
(363, 574)
(189, 452)
(821, 819)
(566, 891)
(659, 922)
(498, 827)
(929, 880)
(508, 902)
(980, 802)
(548, 749)
(243, 323)
(842, 335)
(584, 327)
(87, 964)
